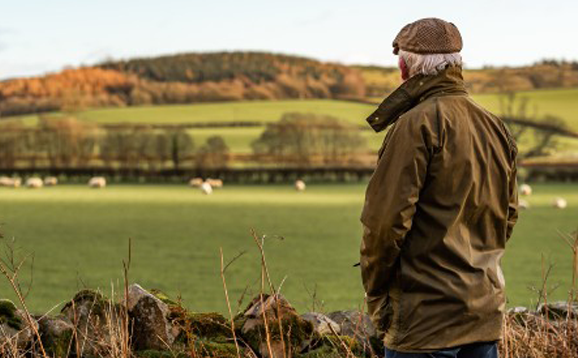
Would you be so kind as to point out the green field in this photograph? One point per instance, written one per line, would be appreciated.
(79, 238)
(562, 103)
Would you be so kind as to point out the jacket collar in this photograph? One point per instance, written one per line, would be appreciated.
(413, 91)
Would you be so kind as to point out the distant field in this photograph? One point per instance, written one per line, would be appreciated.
(79, 237)
(266, 111)
(562, 103)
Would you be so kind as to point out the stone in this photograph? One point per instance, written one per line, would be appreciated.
(559, 310)
(285, 327)
(96, 320)
(56, 334)
(151, 328)
(15, 332)
(321, 323)
(359, 327)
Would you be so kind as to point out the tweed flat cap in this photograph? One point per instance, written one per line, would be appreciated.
(429, 35)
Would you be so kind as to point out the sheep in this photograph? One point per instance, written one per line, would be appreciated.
(16, 182)
(525, 189)
(50, 181)
(215, 183)
(97, 182)
(196, 182)
(300, 185)
(523, 204)
(6, 181)
(34, 183)
(560, 203)
(206, 188)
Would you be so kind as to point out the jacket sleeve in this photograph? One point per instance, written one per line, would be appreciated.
(513, 200)
(390, 202)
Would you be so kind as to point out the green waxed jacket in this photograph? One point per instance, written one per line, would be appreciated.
(438, 211)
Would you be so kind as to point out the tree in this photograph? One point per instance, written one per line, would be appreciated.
(181, 146)
(213, 154)
(305, 139)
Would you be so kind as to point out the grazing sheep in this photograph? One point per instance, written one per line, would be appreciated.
(34, 183)
(560, 203)
(206, 188)
(299, 185)
(97, 182)
(215, 183)
(196, 182)
(50, 181)
(525, 189)
(523, 204)
(10, 182)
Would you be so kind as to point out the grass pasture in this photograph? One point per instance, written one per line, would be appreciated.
(560, 102)
(79, 238)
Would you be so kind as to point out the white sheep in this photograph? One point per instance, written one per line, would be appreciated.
(5, 181)
(523, 204)
(196, 182)
(97, 182)
(215, 183)
(560, 203)
(50, 181)
(525, 189)
(300, 185)
(34, 183)
(10, 182)
(206, 188)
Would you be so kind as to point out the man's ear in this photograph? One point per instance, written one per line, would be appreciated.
(403, 68)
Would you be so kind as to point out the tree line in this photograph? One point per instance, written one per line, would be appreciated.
(296, 140)
(69, 143)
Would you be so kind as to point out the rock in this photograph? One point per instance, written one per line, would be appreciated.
(559, 310)
(353, 324)
(285, 327)
(14, 329)
(56, 334)
(358, 327)
(321, 323)
(149, 315)
(97, 321)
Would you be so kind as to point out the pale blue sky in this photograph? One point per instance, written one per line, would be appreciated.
(37, 36)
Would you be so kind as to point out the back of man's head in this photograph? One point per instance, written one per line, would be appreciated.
(427, 46)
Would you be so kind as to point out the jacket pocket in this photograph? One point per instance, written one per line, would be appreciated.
(380, 310)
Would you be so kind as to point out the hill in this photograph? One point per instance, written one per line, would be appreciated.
(237, 76)
(185, 78)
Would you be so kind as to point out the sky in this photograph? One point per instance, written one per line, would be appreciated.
(40, 36)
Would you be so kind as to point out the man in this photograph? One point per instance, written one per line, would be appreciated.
(439, 207)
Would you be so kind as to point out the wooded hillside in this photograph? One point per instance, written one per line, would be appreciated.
(235, 76)
(186, 78)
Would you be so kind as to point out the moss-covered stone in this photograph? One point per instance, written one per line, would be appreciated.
(98, 303)
(283, 325)
(56, 335)
(95, 319)
(205, 348)
(163, 297)
(150, 353)
(9, 315)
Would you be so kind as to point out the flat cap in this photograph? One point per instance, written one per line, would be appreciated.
(429, 35)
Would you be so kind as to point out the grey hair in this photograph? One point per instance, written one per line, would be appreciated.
(429, 64)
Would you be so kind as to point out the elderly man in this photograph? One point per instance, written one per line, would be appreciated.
(439, 208)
